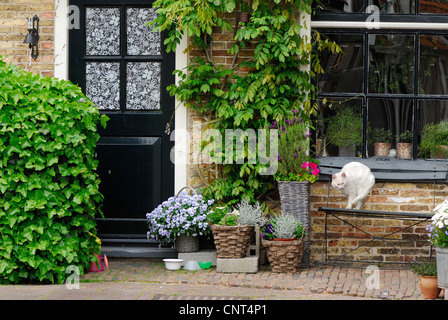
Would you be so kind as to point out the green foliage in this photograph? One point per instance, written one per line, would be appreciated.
(283, 226)
(434, 136)
(48, 185)
(277, 83)
(424, 268)
(344, 128)
(381, 135)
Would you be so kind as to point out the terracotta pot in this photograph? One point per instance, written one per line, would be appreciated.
(404, 150)
(428, 286)
(382, 149)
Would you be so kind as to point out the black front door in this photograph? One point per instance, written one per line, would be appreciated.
(122, 66)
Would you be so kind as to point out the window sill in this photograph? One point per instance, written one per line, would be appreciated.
(390, 169)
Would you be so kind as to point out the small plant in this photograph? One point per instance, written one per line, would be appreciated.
(434, 136)
(251, 215)
(182, 214)
(405, 137)
(345, 128)
(381, 135)
(424, 268)
(294, 162)
(283, 227)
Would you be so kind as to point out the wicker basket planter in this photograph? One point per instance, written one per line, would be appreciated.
(295, 200)
(285, 256)
(232, 242)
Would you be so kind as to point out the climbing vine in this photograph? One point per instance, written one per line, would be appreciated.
(278, 80)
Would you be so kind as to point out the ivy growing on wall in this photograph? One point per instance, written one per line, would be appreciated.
(278, 81)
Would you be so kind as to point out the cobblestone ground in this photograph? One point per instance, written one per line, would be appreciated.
(325, 280)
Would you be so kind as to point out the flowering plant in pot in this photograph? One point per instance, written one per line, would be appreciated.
(181, 215)
(438, 236)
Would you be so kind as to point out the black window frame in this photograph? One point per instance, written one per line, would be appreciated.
(365, 32)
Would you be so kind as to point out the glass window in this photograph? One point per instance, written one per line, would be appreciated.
(433, 7)
(343, 6)
(433, 129)
(389, 121)
(394, 6)
(339, 127)
(344, 71)
(391, 63)
(433, 70)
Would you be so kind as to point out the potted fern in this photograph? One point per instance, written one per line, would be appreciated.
(283, 238)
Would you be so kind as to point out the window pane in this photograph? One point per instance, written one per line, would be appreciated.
(344, 6)
(141, 39)
(433, 70)
(143, 85)
(339, 128)
(103, 84)
(390, 121)
(102, 31)
(391, 64)
(394, 6)
(343, 71)
(433, 127)
(434, 7)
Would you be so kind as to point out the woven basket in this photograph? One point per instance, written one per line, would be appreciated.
(232, 242)
(295, 200)
(284, 256)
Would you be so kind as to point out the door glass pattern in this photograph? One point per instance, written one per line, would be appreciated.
(102, 31)
(141, 39)
(143, 85)
(103, 84)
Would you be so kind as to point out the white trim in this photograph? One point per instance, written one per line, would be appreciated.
(382, 25)
(181, 122)
(61, 39)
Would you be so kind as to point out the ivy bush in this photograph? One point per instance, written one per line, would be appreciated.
(276, 84)
(48, 186)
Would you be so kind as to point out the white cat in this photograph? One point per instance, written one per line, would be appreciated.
(355, 181)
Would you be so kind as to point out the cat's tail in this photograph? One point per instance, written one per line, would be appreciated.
(365, 193)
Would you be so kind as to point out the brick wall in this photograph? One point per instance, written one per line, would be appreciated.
(13, 29)
(401, 197)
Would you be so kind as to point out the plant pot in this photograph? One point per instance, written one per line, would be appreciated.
(349, 151)
(100, 265)
(232, 242)
(185, 244)
(441, 153)
(429, 288)
(285, 256)
(442, 267)
(295, 200)
(382, 149)
(404, 150)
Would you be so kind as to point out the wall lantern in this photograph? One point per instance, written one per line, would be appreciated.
(33, 35)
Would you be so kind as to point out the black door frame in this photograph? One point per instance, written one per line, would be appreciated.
(118, 125)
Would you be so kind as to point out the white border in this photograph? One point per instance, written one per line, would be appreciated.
(381, 25)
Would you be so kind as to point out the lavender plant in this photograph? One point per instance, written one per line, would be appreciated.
(182, 214)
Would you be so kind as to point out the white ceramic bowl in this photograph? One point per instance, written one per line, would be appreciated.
(172, 264)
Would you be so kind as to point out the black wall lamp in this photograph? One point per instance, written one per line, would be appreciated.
(33, 35)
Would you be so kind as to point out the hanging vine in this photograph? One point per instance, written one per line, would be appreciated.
(277, 81)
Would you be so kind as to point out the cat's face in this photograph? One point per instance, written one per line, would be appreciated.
(339, 180)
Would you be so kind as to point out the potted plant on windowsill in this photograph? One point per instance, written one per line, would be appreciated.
(404, 146)
(283, 238)
(438, 236)
(434, 141)
(180, 220)
(427, 272)
(381, 140)
(345, 131)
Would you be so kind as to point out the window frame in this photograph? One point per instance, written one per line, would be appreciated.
(403, 24)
